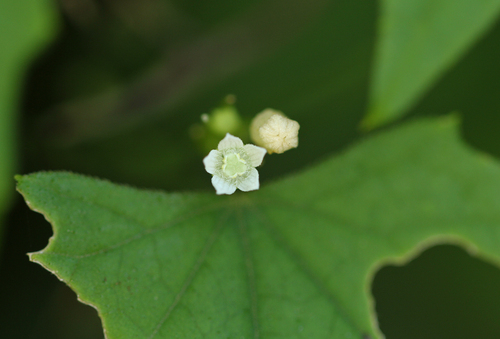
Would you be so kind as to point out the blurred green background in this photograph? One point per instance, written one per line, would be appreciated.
(115, 93)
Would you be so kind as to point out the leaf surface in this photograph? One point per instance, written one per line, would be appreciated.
(418, 40)
(292, 260)
(25, 25)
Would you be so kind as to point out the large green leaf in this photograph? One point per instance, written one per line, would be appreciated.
(418, 40)
(25, 26)
(293, 260)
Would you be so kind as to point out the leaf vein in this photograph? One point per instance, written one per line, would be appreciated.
(302, 264)
(249, 265)
(146, 232)
(192, 274)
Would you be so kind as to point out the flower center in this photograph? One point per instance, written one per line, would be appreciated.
(233, 165)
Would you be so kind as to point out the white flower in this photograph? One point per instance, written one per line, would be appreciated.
(233, 165)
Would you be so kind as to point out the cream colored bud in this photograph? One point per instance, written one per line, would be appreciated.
(272, 130)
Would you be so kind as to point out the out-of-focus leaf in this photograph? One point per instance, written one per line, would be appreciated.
(292, 260)
(25, 27)
(418, 40)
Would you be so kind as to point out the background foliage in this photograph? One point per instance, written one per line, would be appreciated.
(24, 27)
(116, 92)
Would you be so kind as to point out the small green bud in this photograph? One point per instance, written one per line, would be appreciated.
(223, 120)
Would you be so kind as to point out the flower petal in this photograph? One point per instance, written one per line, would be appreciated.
(222, 186)
(230, 141)
(251, 183)
(255, 153)
(212, 161)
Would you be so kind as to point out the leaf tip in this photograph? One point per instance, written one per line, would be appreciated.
(32, 256)
(375, 118)
(450, 122)
(453, 118)
(19, 179)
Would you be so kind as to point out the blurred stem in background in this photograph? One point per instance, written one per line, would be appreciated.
(26, 26)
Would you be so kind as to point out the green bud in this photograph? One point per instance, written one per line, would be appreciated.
(224, 120)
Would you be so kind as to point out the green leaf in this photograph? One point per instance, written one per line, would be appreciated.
(418, 40)
(25, 26)
(292, 260)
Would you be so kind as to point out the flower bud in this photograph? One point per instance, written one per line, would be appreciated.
(272, 130)
(222, 120)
